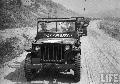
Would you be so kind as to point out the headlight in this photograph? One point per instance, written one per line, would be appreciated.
(81, 23)
(67, 47)
(37, 48)
(86, 24)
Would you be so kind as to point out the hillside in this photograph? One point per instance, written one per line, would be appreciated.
(23, 13)
(113, 14)
(18, 23)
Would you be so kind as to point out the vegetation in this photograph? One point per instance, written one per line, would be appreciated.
(15, 14)
(17, 20)
(111, 27)
(9, 49)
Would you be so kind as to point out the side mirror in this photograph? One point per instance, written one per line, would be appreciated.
(28, 50)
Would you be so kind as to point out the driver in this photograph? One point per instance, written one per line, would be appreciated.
(43, 26)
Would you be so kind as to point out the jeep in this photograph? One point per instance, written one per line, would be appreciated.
(57, 44)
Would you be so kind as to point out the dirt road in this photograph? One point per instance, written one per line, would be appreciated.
(100, 54)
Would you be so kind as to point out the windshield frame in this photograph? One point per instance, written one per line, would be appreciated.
(56, 21)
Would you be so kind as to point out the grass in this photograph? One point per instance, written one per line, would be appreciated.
(111, 27)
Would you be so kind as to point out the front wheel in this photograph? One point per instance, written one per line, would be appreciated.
(77, 68)
(27, 68)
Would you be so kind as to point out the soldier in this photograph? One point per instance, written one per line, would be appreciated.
(43, 26)
(62, 26)
(70, 26)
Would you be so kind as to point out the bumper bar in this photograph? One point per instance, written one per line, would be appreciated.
(56, 66)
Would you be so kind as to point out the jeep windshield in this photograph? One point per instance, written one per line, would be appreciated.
(56, 27)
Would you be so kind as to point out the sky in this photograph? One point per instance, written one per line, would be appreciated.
(91, 6)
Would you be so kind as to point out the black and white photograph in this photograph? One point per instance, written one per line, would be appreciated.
(59, 41)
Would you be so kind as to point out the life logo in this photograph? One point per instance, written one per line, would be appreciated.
(109, 78)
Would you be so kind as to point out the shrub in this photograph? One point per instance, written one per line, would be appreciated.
(9, 49)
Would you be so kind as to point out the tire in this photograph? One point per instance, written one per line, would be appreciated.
(85, 31)
(77, 67)
(27, 68)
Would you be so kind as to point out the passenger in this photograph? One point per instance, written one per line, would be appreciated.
(43, 26)
(51, 26)
(62, 26)
(70, 27)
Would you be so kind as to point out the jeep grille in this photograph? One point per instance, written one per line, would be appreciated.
(50, 52)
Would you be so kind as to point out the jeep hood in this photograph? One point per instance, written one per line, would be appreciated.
(56, 40)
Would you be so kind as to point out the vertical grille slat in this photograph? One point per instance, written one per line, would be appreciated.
(48, 52)
(61, 52)
(56, 52)
(45, 54)
(53, 53)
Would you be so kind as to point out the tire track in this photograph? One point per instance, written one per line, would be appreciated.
(104, 63)
(106, 46)
(84, 54)
(89, 61)
(110, 67)
(109, 45)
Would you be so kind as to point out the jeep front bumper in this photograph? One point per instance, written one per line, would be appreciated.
(56, 66)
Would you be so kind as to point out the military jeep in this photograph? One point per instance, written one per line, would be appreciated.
(57, 44)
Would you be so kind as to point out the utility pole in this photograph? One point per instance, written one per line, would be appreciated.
(84, 6)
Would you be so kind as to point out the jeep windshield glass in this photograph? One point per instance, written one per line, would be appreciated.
(56, 27)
